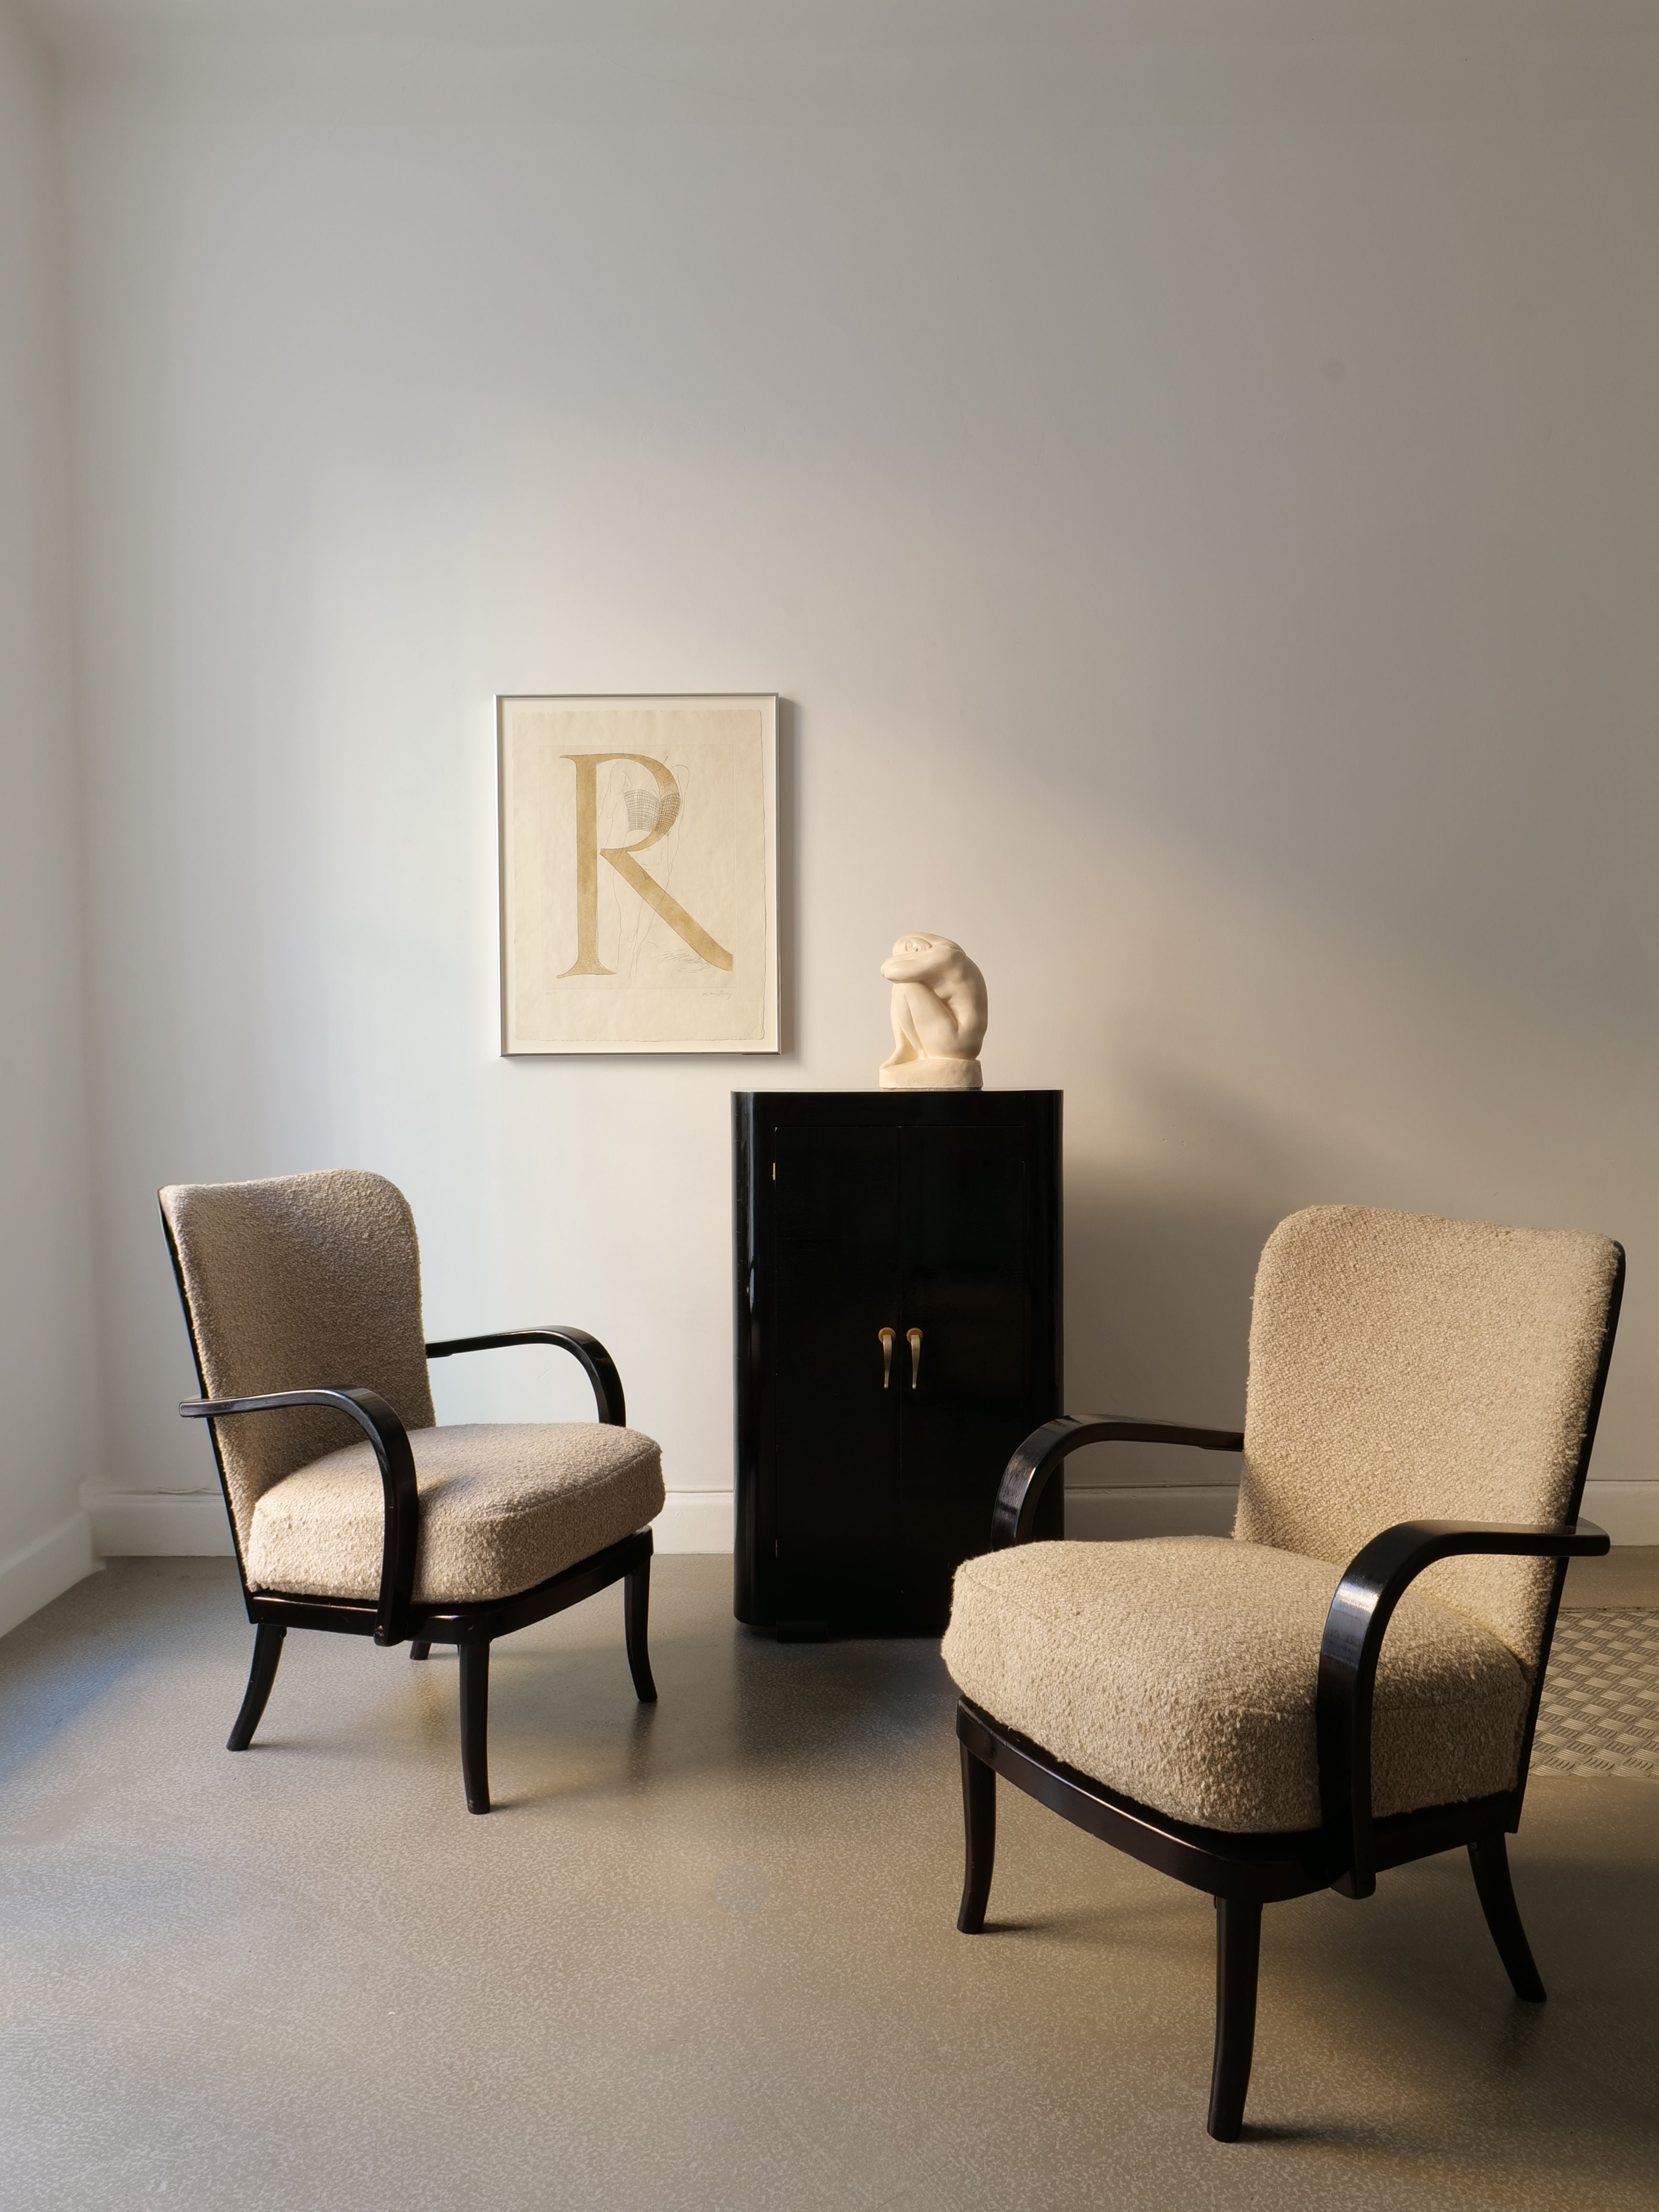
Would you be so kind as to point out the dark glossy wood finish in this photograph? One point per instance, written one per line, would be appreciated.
(386, 1434)
(1026, 1480)
(267, 1652)
(1350, 1846)
(1489, 1856)
(1371, 1588)
(474, 1655)
(898, 1274)
(1270, 1868)
(1238, 1956)
(471, 1628)
(450, 1624)
(636, 1614)
(978, 1820)
(457, 1624)
(393, 1616)
(592, 1356)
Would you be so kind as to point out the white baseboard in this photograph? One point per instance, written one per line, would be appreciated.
(695, 1521)
(1629, 1511)
(171, 1524)
(44, 1569)
(181, 1523)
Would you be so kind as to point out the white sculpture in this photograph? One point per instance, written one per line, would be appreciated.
(938, 1016)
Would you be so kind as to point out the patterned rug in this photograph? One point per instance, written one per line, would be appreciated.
(1600, 1709)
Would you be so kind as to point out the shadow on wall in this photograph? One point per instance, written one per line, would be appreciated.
(1158, 1324)
(1161, 1256)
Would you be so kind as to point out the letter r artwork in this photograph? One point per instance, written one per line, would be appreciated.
(590, 853)
(638, 861)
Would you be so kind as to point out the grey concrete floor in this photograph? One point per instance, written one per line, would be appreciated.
(704, 1957)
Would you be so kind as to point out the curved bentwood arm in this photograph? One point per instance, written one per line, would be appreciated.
(1027, 1473)
(1365, 1598)
(391, 1441)
(599, 1366)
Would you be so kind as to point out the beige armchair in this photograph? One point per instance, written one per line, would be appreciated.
(351, 1510)
(1351, 1680)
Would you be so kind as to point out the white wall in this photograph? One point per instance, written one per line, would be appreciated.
(1194, 472)
(48, 1334)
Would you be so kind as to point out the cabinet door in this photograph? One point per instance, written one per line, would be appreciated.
(967, 1263)
(837, 1277)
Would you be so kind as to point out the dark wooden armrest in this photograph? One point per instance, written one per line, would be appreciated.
(1026, 1475)
(1365, 1598)
(599, 1366)
(391, 1441)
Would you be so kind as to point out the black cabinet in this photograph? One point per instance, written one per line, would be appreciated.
(898, 1332)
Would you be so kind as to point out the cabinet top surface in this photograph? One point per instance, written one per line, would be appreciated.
(890, 1106)
(896, 1097)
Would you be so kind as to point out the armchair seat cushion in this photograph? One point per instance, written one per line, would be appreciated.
(1181, 1672)
(503, 1506)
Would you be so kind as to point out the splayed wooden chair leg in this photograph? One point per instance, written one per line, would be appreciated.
(1490, 1860)
(267, 1650)
(475, 1724)
(636, 1612)
(1237, 1955)
(417, 1649)
(979, 1828)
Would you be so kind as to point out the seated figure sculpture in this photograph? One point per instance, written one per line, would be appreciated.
(938, 1016)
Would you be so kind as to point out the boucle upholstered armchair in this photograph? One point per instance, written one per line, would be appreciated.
(1251, 1715)
(303, 1296)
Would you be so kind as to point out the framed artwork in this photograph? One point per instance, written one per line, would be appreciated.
(639, 873)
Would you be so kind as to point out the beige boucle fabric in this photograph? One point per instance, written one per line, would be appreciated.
(1404, 1367)
(295, 1283)
(502, 1507)
(1181, 1671)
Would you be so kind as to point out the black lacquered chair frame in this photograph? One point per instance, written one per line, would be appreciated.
(394, 1616)
(1351, 1847)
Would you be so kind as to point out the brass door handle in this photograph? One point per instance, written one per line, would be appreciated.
(912, 1338)
(886, 1336)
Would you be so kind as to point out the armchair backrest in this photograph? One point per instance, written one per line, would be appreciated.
(1405, 1368)
(298, 1282)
